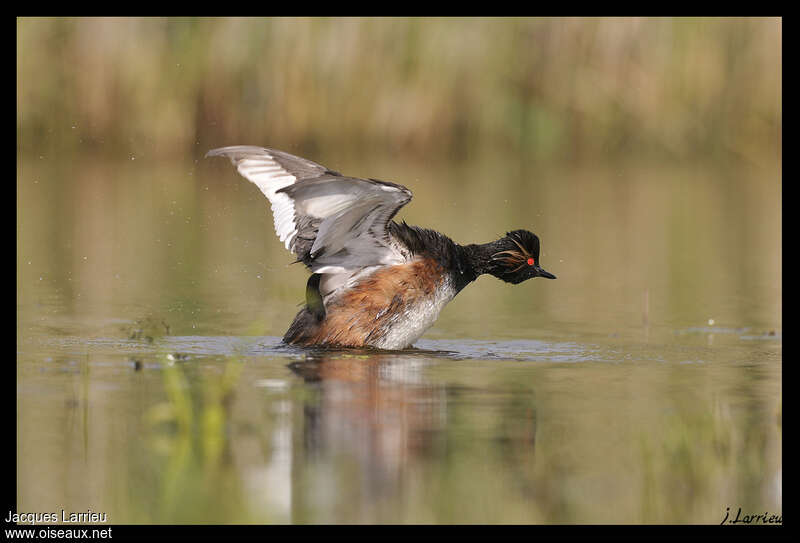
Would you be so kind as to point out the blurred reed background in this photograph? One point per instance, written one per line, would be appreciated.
(553, 89)
(646, 153)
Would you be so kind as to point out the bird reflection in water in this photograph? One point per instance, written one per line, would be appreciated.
(378, 432)
(374, 408)
(377, 436)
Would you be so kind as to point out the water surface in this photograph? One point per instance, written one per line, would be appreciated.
(643, 385)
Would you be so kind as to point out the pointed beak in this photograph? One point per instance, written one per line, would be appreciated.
(542, 273)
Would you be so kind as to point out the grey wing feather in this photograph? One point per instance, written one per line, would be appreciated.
(334, 224)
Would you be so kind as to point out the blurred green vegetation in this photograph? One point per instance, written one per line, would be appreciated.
(552, 89)
(187, 437)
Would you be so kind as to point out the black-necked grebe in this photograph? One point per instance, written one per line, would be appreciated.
(374, 282)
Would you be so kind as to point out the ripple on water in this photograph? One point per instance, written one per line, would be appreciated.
(184, 348)
(201, 346)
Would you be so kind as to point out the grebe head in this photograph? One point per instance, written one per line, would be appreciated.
(517, 258)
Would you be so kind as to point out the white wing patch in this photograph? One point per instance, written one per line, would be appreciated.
(325, 206)
(270, 177)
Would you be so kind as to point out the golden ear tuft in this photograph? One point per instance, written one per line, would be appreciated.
(512, 257)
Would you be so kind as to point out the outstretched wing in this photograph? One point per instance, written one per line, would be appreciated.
(332, 223)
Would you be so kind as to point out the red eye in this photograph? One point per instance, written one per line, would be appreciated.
(530, 262)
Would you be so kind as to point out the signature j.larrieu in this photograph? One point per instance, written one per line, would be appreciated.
(765, 518)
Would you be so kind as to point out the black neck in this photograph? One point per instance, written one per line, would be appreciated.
(464, 262)
(480, 257)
